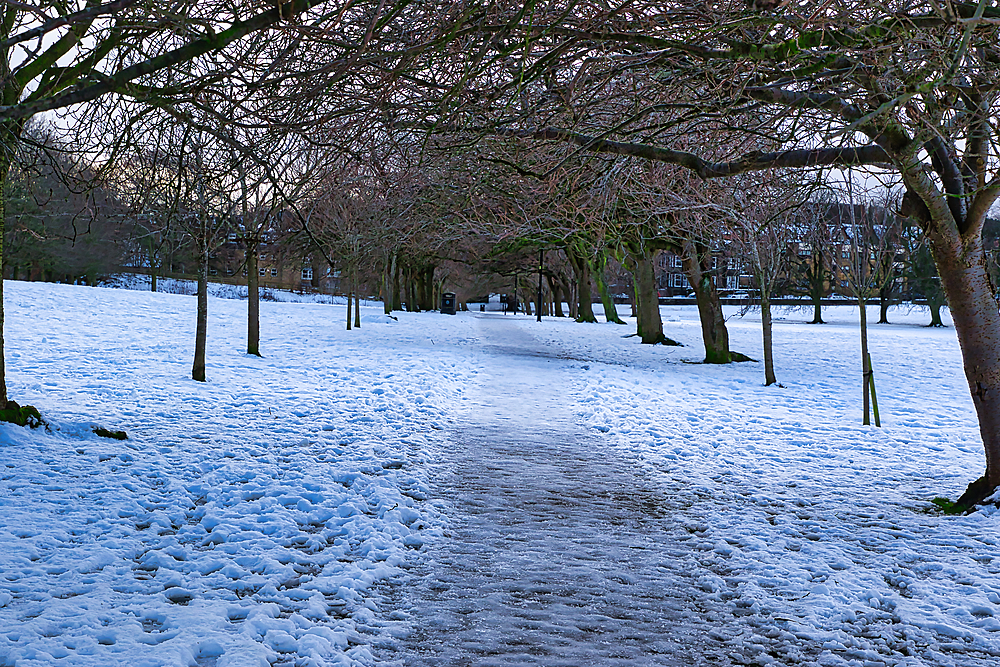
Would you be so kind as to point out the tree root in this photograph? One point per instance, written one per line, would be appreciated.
(739, 357)
(663, 340)
(975, 494)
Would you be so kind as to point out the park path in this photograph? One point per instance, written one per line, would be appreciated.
(562, 551)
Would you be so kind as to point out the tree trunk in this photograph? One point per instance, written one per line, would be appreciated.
(357, 310)
(201, 329)
(884, 301)
(426, 283)
(765, 323)
(585, 290)
(397, 293)
(4, 171)
(935, 306)
(411, 294)
(348, 307)
(388, 294)
(961, 263)
(649, 324)
(610, 311)
(865, 370)
(697, 262)
(253, 300)
(816, 276)
(556, 289)
(572, 301)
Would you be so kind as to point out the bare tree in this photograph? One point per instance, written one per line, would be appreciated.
(843, 87)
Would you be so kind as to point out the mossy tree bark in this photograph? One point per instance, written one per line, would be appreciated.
(599, 267)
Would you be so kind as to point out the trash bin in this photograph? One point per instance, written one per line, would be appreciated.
(448, 303)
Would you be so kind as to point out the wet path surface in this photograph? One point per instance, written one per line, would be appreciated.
(561, 553)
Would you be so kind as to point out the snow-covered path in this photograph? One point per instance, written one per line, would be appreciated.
(561, 552)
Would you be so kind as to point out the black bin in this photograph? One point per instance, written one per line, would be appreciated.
(448, 303)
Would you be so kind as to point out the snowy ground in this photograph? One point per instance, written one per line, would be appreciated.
(814, 531)
(245, 519)
(250, 520)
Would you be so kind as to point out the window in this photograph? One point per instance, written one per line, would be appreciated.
(213, 272)
(731, 282)
(274, 272)
(307, 273)
(677, 280)
(263, 272)
(675, 261)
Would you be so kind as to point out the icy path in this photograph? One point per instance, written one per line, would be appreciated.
(561, 553)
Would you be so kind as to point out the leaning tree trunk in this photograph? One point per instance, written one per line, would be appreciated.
(961, 263)
(253, 300)
(201, 330)
(713, 321)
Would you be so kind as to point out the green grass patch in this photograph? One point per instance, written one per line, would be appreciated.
(948, 507)
(22, 415)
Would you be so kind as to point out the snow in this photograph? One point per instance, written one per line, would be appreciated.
(256, 518)
(814, 531)
(245, 519)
